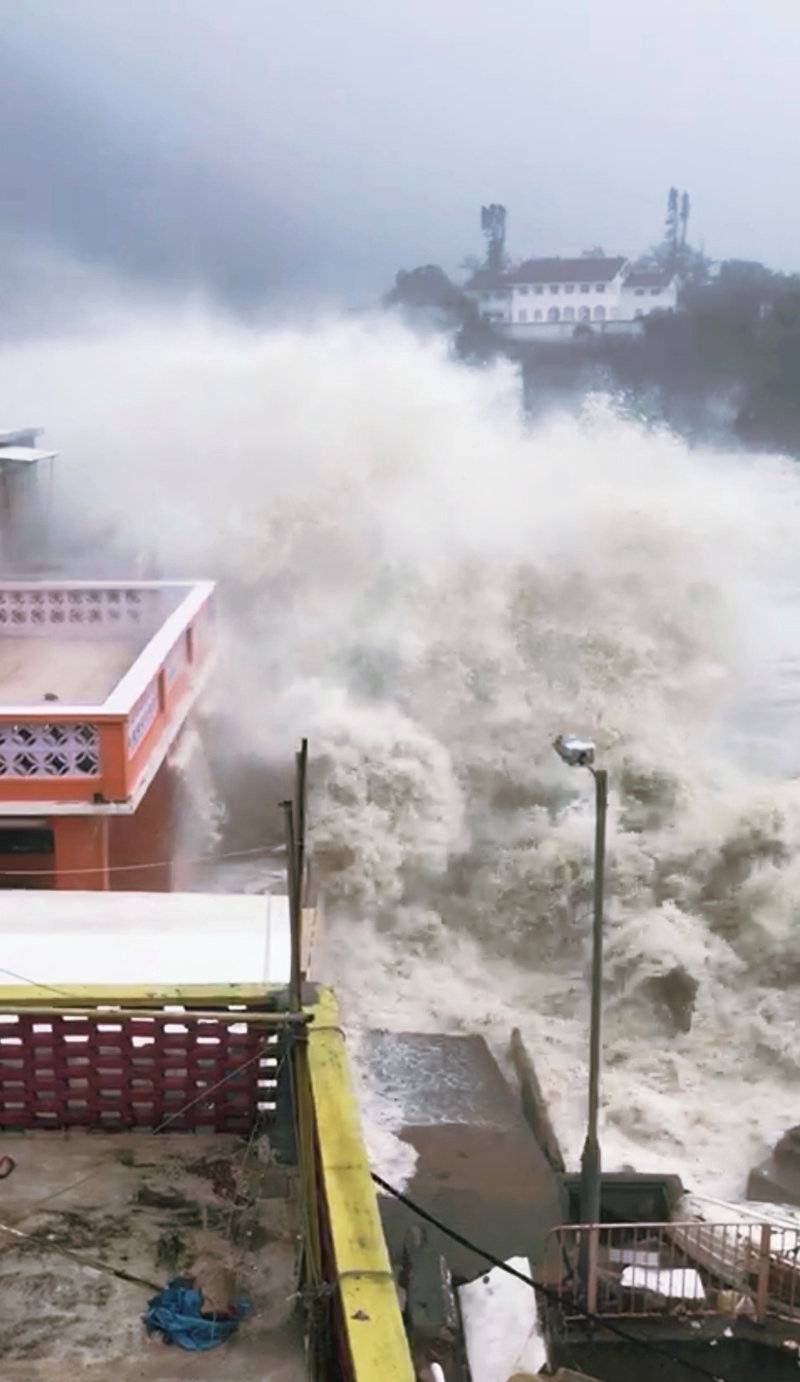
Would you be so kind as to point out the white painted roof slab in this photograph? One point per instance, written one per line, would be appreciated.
(25, 455)
(61, 938)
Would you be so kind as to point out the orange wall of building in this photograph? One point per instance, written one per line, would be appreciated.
(93, 852)
(26, 871)
(145, 837)
(81, 852)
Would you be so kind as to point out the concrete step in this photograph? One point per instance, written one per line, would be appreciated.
(479, 1168)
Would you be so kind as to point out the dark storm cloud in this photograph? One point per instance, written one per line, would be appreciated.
(83, 176)
(255, 147)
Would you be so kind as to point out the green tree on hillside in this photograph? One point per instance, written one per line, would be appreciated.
(426, 293)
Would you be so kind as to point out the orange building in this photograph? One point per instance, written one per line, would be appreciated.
(97, 680)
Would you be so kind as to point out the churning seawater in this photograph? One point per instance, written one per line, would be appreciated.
(431, 589)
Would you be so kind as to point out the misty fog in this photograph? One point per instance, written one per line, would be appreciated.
(201, 209)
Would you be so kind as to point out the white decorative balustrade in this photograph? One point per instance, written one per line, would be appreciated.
(96, 611)
(40, 750)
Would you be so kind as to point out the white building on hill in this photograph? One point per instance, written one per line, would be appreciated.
(564, 299)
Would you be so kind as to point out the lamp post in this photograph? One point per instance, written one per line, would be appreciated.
(579, 753)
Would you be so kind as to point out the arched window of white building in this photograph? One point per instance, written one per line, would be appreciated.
(552, 314)
(523, 316)
(537, 316)
(599, 314)
(584, 314)
(569, 314)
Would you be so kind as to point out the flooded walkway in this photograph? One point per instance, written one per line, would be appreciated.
(479, 1167)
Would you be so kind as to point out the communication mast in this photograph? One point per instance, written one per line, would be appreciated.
(685, 207)
(676, 225)
(493, 225)
(671, 224)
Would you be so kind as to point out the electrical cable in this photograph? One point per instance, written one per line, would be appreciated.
(239, 1185)
(81, 1258)
(171, 1118)
(461, 1239)
(255, 1131)
(63, 993)
(270, 847)
(547, 1291)
(35, 983)
(73, 1185)
(119, 1272)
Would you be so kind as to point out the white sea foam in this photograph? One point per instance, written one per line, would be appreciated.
(431, 590)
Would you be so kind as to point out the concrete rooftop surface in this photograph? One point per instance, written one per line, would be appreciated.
(155, 1207)
(78, 671)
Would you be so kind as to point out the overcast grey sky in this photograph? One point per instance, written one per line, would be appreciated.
(258, 147)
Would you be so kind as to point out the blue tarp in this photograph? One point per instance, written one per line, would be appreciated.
(177, 1313)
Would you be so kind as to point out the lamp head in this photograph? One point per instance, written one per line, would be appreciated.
(578, 753)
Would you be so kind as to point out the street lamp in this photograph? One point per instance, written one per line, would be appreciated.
(579, 753)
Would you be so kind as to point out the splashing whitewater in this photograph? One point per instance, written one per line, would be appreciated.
(432, 589)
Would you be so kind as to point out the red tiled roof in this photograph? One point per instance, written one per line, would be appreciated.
(583, 270)
(647, 278)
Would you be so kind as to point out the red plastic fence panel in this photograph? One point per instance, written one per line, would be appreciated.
(158, 1073)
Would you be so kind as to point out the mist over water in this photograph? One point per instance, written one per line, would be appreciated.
(431, 589)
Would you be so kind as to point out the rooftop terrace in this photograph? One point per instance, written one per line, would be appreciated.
(96, 680)
(152, 1207)
(81, 1098)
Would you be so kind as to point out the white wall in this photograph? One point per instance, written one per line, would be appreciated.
(493, 306)
(520, 304)
(565, 331)
(645, 300)
(529, 300)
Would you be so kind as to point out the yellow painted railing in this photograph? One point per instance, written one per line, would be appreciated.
(32, 995)
(375, 1337)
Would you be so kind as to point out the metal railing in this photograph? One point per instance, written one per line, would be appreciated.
(687, 1268)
